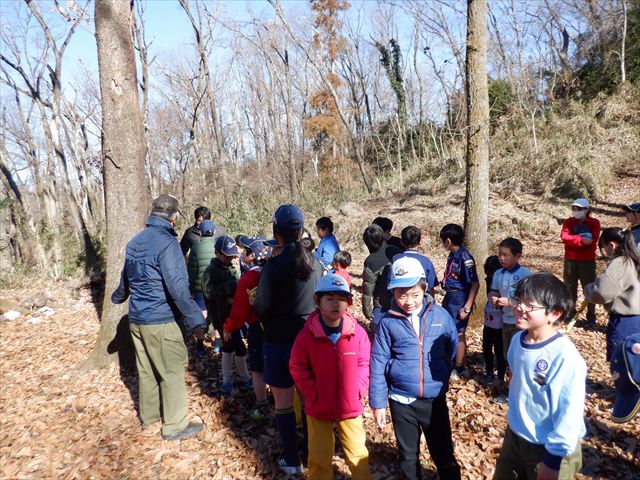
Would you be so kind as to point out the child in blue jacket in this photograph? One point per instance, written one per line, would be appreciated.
(413, 348)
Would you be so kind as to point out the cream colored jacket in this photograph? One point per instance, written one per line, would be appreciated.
(618, 288)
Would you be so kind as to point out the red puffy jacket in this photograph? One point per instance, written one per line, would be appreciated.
(241, 309)
(574, 246)
(334, 379)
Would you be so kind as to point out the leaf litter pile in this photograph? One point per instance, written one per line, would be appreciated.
(59, 424)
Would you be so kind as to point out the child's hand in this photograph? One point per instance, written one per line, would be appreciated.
(380, 416)
(502, 302)
(546, 473)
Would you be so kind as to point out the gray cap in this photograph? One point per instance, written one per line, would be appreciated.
(165, 204)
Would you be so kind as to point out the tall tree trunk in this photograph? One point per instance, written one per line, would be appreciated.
(477, 191)
(123, 152)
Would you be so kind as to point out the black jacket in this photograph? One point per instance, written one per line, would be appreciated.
(283, 302)
(374, 280)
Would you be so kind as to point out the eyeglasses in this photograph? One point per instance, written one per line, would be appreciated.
(524, 307)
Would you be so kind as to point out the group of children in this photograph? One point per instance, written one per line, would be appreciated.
(301, 332)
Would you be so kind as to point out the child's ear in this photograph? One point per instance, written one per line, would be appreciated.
(554, 315)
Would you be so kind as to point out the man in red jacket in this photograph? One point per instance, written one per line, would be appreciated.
(580, 234)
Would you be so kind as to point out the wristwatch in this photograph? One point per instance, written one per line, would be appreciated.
(466, 310)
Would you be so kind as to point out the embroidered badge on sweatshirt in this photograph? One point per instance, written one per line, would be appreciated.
(540, 372)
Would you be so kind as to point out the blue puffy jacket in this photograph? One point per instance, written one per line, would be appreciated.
(155, 277)
(408, 364)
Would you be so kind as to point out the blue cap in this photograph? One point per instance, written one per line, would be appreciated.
(405, 273)
(260, 249)
(272, 242)
(288, 216)
(625, 371)
(633, 207)
(227, 246)
(207, 228)
(332, 283)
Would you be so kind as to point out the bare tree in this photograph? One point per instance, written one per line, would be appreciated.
(123, 151)
(477, 190)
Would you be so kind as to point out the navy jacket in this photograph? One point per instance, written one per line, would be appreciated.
(408, 364)
(155, 277)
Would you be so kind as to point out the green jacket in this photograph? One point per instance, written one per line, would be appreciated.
(219, 282)
(200, 256)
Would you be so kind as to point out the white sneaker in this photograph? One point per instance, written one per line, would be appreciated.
(454, 375)
(288, 469)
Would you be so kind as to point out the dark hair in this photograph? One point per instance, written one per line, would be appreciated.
(203, 212)
(422, 284)
(342, 258)
(302, 257)
(325, 223)
(491, 266)
(373, 237)
(512, 244)
(411, 236)
(453, 232)
(247, 250)
(626, 244)
(547, 290)
(383, 222)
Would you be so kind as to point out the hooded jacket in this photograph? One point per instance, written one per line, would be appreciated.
(333, 378)
(408, 363)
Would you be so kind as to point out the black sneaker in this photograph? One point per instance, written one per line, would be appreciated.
(189, 431)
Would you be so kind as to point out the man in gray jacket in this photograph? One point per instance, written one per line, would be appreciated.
(155, 280)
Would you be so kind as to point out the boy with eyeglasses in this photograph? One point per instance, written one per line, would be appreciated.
(547, 390)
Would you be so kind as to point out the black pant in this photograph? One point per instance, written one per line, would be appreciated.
(492, 342)
(430, 415)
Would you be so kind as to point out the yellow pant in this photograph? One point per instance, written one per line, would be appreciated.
(322, 446)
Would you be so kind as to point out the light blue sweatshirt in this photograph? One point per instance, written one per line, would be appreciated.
(547, 394)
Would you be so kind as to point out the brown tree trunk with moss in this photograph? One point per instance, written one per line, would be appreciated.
(123, 151)
(477, 155)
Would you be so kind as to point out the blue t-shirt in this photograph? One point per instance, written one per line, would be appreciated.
(427, 265)
(460, 272)
(504, 282)
(333, 333)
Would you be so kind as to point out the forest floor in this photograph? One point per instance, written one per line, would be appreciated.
(58, 424)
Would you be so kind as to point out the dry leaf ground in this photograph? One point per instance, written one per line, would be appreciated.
(56, 424)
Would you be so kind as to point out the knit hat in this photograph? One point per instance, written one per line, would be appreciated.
(405, 273)
(625, 371)
(227, 246)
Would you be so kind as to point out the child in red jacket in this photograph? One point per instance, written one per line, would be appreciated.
(242, 312)
(330, 366)
(580, 234)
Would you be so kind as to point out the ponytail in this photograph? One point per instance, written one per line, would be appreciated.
(626, 246)
(302, 257)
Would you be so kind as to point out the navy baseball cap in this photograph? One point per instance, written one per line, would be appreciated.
(260, 249)
(272, 242)
(288, 216)
(227, 246)
(625, 371)
(405, 273)
(632, 207)
(207, 228)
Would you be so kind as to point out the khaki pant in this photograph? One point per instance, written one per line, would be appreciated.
(322, 446)
(161, 358)
(519, 460)
(585, 273)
